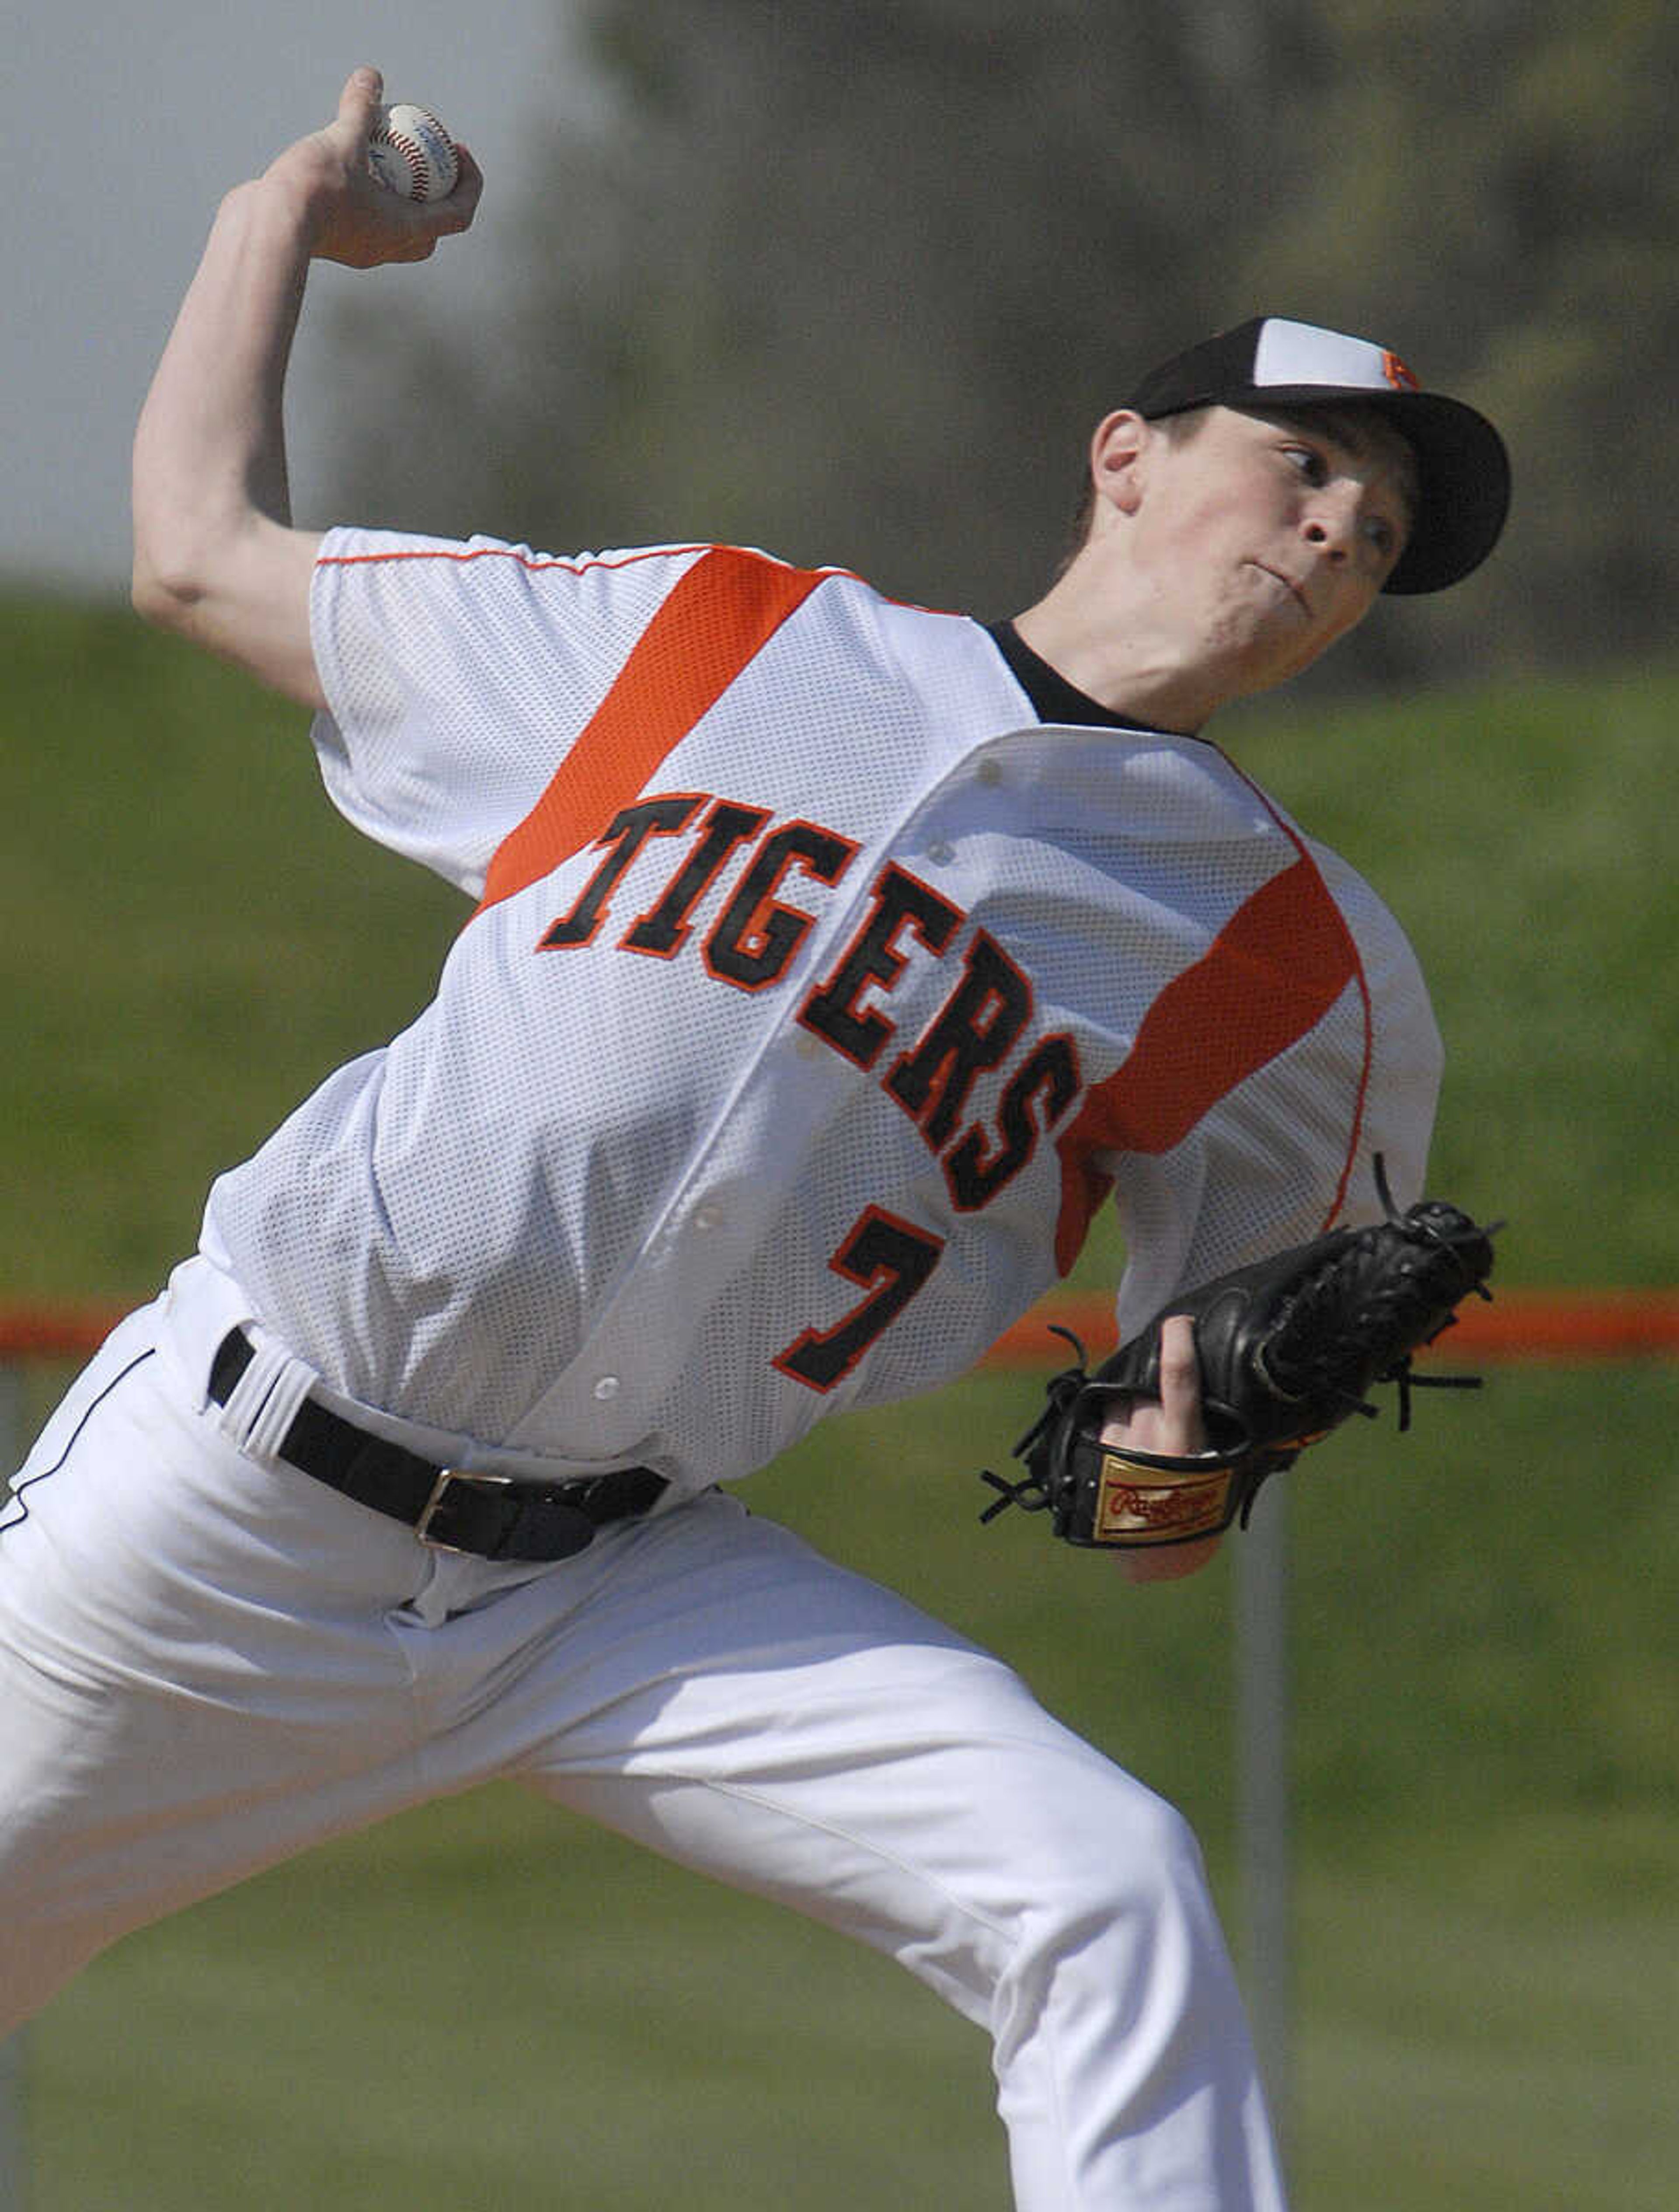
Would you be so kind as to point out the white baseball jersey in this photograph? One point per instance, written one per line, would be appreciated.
(820, 989)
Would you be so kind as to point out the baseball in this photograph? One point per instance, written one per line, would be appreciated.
(411, 154)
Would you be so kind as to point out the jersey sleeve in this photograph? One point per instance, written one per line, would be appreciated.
(457, 674)
(1407, 1055)
(1291, 1152)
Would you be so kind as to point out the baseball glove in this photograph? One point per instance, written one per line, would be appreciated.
(1288, 1349)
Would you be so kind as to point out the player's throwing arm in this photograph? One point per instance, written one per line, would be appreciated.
(216, 557)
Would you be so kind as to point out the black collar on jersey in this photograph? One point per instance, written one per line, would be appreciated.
(1055, 698)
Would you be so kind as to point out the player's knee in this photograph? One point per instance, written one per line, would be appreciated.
(1146, 1861)
(1122, 1903)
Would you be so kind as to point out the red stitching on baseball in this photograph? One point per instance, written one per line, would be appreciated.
(413, 153)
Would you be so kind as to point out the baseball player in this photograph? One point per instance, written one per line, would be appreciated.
(828, 964)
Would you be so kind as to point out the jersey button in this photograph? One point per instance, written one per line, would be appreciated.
(941, 855)
(708, 1216)
(606, 1386)
(989, 771)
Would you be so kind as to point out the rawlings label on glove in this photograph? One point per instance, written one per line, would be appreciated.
(1287, 1349)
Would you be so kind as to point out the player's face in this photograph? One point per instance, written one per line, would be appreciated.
(1277, 531)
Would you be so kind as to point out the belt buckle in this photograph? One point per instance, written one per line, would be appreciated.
(439, 1502)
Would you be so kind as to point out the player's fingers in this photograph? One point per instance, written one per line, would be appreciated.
(359, 101)
(1180, 1384)
(431, 220)
(462, 204)
(1181, 1429)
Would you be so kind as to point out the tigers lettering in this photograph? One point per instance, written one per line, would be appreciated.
(982, 1027)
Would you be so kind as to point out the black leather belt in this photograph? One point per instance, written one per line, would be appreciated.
(497, 1516)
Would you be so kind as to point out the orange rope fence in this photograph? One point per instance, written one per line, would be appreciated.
(1560, 1325)
(1556, 1325)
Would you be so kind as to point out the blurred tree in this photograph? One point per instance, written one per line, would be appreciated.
(1493, 183)
(853, 281)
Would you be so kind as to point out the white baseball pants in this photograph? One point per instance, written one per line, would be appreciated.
(208, 1662)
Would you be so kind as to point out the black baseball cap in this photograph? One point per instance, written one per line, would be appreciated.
(1462, 469)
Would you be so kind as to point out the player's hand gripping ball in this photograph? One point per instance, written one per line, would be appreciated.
(412, 155)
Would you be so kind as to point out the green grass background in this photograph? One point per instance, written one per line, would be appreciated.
(486, 2004)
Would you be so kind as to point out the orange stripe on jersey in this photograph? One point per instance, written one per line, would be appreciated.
(1271, 973)
(722, 612)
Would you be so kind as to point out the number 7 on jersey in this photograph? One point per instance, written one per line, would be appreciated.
(888, 1258)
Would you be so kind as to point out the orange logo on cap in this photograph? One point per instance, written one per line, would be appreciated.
(1397, 374)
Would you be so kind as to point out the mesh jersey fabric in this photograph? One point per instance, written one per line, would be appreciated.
(816, 996)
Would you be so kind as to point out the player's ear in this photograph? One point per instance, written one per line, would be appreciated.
(1117, 448)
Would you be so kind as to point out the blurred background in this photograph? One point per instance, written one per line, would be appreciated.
(857, 279)
(853, 283)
